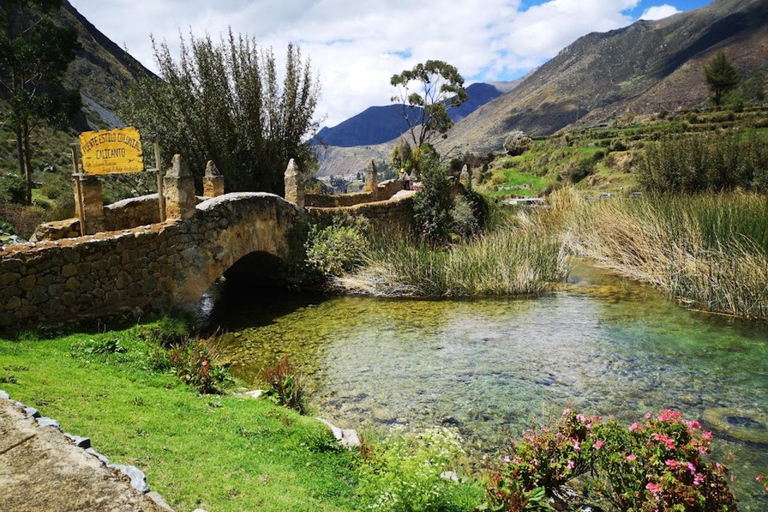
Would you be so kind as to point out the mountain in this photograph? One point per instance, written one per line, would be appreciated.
(376, 125)
(101, 70)
(642, 68)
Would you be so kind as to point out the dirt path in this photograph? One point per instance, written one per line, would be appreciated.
(43, 471)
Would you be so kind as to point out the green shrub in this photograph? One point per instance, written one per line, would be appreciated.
(657, 464)
(193, 363)
(432, 204)
(705, 162)
(580, 170)
(12, 188)
(517, 143)
(338, 248)
(284, 385)
(409, 473)
(465, 223)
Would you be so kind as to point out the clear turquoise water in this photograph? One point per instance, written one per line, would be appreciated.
(490, 367)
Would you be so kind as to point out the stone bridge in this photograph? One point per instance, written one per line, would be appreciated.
(155, 267)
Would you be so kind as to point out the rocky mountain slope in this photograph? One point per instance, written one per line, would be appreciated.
(645, 67)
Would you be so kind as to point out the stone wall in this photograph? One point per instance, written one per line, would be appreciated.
(140, 270)
(384, 191)
(126, 214)
(396, 212)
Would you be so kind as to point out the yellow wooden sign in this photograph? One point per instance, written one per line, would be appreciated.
(112, 151)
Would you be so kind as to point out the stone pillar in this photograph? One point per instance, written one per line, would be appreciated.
(294, 186)
(213, 181)
(371, 179)
(93, 204)
(464, 176)
(179, 188)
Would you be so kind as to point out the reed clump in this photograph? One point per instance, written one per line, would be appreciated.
(708, 250)
(505, 261)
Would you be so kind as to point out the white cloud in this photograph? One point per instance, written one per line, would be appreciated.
(356, 46)
(659, 12)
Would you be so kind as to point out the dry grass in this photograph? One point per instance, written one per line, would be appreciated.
(709, 250)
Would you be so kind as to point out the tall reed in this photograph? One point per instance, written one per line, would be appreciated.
(506, 261)
(709, 250)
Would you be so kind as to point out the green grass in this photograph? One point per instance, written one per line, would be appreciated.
(221, 453)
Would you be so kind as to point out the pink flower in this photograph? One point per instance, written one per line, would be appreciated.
(670, 444)
(566, 412)
(692, 468)
(588, 426)
(759, 478)
(670, 416)
(672, 464)
(693, 424)
(571, 464)
(576, 445)
(647, 415)
(634, 426)
(631, 457)
(506, 459)
(707, 435)
(654, 488)
(581, 418)
(598, 445)
(697, 479)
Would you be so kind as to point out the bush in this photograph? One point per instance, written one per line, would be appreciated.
(408, 473)
(194, 364)
(285, 387)
(12, 188)
(465, 223)
(517, 143)
(432, 205)
(705, 162)
(338, 248)
(580, 170)
(654, 465)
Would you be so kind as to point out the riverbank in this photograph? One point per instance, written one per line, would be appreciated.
(219, 453)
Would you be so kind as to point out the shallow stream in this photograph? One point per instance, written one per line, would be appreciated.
(490, 367)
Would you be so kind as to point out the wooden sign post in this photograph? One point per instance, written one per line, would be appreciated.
(76, 175)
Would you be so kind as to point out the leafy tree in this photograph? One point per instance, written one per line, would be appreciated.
(223, 102)
(438, 87)
(34, 54)
(721, 76)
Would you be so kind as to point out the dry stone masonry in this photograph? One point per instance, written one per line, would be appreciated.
(157, 266)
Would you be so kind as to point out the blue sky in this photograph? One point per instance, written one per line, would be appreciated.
(357, 45)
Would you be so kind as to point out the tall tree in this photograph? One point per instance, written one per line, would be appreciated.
(223, 102)
(429, 90)
(721, 76)
(34, 54)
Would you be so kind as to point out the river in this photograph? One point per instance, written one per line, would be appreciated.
(491, 367)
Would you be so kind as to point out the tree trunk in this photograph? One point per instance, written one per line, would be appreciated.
(28, 162)
(19, 148)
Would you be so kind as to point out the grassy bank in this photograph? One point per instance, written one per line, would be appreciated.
(710, 251)
(218, 452)
(221, 453)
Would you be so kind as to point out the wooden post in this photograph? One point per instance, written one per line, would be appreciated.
(158, 169)
(76, 174)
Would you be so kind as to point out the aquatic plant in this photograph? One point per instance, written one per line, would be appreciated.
(656, 464)
(710, 251)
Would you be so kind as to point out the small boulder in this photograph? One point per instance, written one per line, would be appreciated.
(97, 455)
(31, 412)
(80, 442)
(44, 421)
(4, 395)
(138, 479)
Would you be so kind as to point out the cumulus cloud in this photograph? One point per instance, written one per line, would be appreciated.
(356, 46)
(659, 12)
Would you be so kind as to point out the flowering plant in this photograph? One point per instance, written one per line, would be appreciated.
(654, 465)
